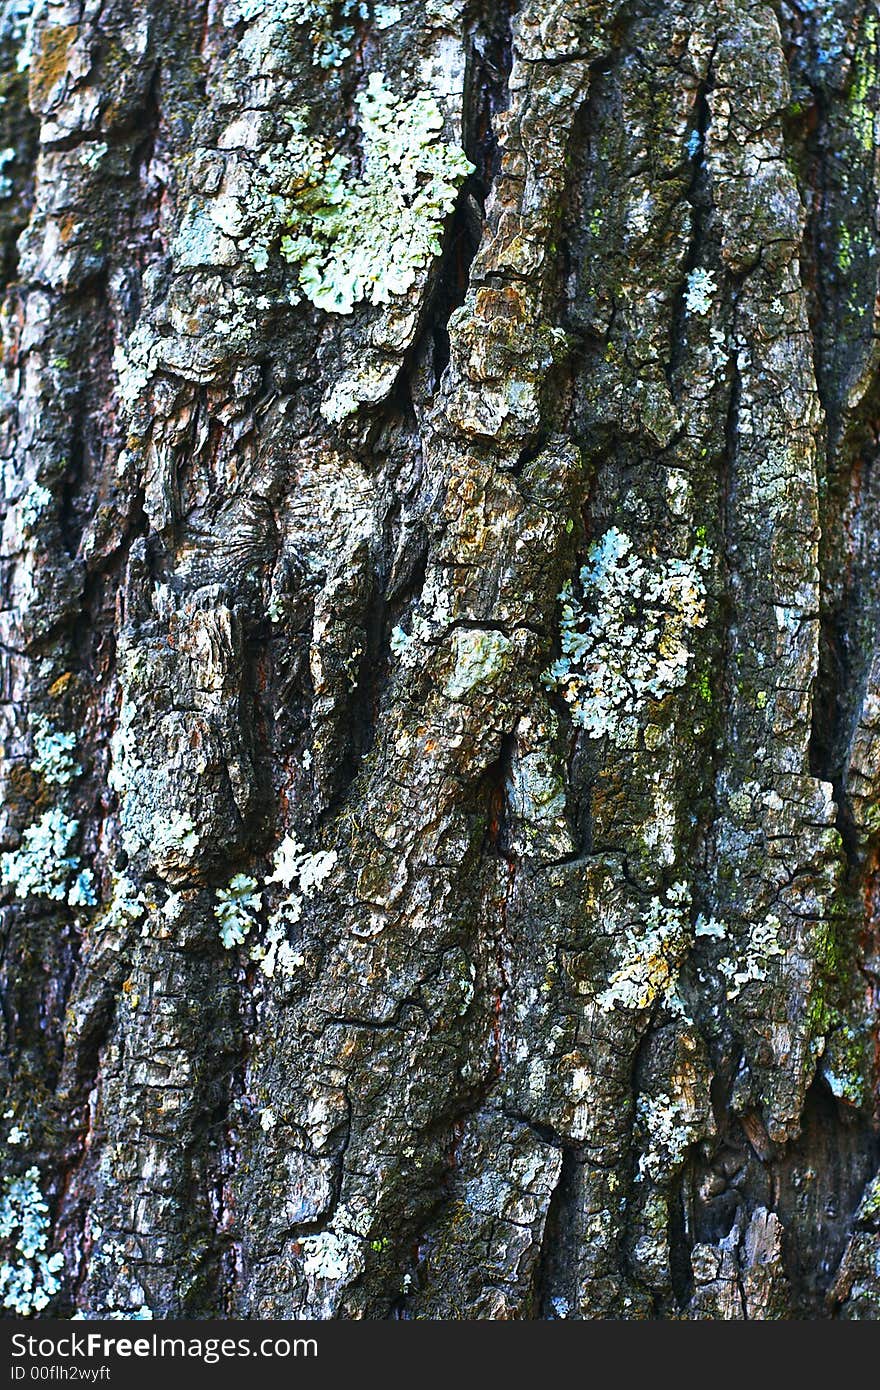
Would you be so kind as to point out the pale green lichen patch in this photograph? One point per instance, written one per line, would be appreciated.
(365, 237)
(623, 642)
(236, 909)
(481, 655)
(667, 1138)
(28, 1275)
(357, 227)
(300, 874)
(177, 835)
(127, 906)
(430, 616)
(330, 25)
(42, 866)
(53, 749)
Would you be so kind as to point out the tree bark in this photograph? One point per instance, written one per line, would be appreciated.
(441, 633)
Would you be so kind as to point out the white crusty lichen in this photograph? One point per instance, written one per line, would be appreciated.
(430, 618)
(652, 951)
(332, 1255)
(28, 1276)
(125, 1300)
(293, 863)
(761, 946)
(365, 236)
(134, 363)
(236, 909)
(126, 906)
(110, 1313)
(623, 641)
(709, 927)
(662, 1119)
(274, 952)
(337, 1253)
(401, 645)
(301, 874)
(41, 867)
(124, 748)
(7, 156)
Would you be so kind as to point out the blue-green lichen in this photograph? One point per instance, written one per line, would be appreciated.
(32, 506)
(82, 892)
(300, 874)
(28, 1275)
(42, 867)
(53, 749)
(701, 287)
(16, 27)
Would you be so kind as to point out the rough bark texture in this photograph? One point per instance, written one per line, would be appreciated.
(360, 961)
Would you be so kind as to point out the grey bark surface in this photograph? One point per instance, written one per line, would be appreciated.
(562, 1003)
